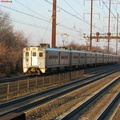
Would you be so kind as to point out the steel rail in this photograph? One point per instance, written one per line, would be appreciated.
(84, 104)
(110, 105)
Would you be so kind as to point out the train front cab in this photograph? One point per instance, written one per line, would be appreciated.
(33, 60)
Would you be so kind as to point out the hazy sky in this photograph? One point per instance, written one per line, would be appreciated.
(33, 17)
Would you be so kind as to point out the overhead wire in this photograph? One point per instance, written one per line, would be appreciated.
(26, 23)
(33, 20)
(80, 5)
(32, 25)
(35, 17)
(81, 16)
(24, 13)
(39, 17)
(78, 2)
(67, 11)
(30, 9)
(108, 8)
(72, 8)
(99, 10)
(45, 31)
(84, 20)
(46, 20)
(114, 16)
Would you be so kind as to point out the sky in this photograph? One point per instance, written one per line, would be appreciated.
(34, 18)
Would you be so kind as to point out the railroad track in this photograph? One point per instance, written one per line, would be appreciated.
(79, 110)
(19, 88)
(52, 93)
(106, 112)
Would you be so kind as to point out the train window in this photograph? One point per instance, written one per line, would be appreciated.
(40, 54)
(75, 57)
(64, 57)
(27, 54)
(53, 57)
(34, 53)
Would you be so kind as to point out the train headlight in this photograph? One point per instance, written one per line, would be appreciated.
(25, 70)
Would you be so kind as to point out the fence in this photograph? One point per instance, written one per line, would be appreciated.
(20, 86)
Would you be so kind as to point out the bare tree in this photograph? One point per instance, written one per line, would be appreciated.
(11, 45)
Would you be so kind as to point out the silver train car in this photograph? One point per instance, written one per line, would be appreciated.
(37, 60)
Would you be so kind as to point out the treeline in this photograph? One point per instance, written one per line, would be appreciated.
(86, 48)
(11, 45)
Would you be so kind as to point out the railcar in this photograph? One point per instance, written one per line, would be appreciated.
(82, 58)
(37, 59)
(99, 58)
(90, 58)
(78, 58)
(56, 59)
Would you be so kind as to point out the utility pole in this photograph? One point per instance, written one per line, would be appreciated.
(109, 36)
(109, 26)
(117, 34)
(54, 24)
(91, 25)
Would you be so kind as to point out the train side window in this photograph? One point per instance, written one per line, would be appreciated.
(64, 57)
(27, 54)
(34, 53)
(40, 54)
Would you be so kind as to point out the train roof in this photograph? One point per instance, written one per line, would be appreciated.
(63, 50)
(44, 48)
(56, 49)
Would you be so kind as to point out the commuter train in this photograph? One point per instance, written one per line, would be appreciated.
(37, 59)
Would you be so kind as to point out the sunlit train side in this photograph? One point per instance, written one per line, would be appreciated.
(37, 60)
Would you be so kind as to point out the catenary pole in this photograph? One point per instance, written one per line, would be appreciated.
(91, 25)
(54, 24)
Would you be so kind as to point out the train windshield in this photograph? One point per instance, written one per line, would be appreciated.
(34, 53)
(27, 54)
(40, 54)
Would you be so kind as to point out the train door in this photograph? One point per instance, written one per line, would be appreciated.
(70, 56)
(96, 60)
(34, 59)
